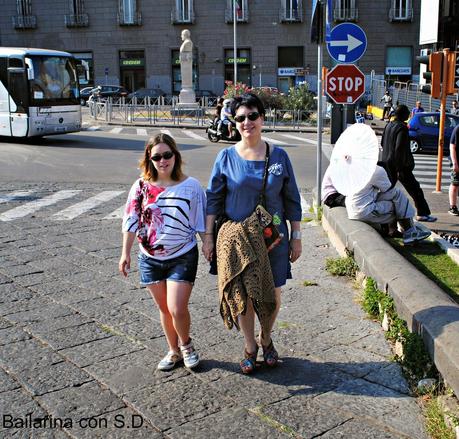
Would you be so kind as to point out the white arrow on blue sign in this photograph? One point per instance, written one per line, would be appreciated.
(347, 43)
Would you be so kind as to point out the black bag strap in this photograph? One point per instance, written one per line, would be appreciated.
(262, 198)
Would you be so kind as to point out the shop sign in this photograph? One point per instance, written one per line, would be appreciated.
(132, 62)
(287, 71)
(398, 70)
(240, 60)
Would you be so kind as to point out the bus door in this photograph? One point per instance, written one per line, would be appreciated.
(5, 124)
(18, 100)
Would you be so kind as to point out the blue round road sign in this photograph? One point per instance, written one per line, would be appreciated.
(347, 43)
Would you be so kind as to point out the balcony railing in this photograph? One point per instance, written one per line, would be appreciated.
(346, 14)
(396, 14)
(179, 17)
(130, 20)
(25, 22)
(291, 15)
(77, 20)
(243, 17)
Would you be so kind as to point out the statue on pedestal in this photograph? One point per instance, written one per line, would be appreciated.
(187, 95)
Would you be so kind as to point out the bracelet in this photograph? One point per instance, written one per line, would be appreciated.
(296, 234)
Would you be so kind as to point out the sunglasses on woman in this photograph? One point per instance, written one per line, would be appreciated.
(165, 155)
(254, 115)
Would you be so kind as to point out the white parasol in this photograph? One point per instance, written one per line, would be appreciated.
(354, 158)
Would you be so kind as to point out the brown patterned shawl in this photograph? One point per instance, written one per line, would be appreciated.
(244, 272)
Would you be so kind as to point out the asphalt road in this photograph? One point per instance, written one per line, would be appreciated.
(110, 155)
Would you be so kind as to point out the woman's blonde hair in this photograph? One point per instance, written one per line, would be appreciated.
(148, 170)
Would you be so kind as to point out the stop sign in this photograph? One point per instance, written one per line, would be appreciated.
(345, 83)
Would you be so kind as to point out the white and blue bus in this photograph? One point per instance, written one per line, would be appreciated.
(39, 92)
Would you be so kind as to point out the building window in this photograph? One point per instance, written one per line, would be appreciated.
(244, 70)
(77, 16)
(242, 11)
(128, 14)
(345, 10)
(183, 12)
(401, 10)
(291, 11)
(24, 18)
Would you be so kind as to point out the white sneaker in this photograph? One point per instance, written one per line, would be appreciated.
(414, 234)
(190, 356)
(170, 360)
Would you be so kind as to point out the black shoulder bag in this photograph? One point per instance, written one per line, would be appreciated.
(271, 233)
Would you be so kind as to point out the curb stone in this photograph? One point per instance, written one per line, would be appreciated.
(427, 309)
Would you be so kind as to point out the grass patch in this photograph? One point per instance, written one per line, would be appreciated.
(310, 283)
(257, 411)
(435, 420)
(431, 260)
(345, 266)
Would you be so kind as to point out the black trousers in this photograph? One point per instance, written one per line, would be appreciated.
(413, 188)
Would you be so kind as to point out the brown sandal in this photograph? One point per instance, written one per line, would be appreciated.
(270, 355)
(249, 362)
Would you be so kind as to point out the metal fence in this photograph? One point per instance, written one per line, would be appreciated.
(162, 111)
(407, 93)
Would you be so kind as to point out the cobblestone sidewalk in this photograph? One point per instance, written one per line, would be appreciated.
(79, 346)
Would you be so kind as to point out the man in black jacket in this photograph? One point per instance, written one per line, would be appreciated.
(399, 161)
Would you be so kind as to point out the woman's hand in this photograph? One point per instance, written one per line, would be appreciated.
(125, 264)
(208, 246)
(294, 249)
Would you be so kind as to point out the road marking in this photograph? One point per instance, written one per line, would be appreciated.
(193, 135)
(82, 207)
(18, 195)
(291, 136)
(93, 128)
(273, 141)
(33, 206)
(429, 159)
(116, 214)
(166, 132)
(116, 130)
(142, 132)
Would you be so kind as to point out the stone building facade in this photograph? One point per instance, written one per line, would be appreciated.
(135, 43)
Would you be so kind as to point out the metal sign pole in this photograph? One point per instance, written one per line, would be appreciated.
(319, 122)
(234, 41)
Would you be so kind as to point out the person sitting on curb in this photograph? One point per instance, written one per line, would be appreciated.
(380, 203)
(330, 196)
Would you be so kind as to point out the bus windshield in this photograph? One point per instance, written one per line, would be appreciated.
(53, 81)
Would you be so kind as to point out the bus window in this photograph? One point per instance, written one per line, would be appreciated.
(55, 78)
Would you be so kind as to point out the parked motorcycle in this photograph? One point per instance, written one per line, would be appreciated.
(214, 136)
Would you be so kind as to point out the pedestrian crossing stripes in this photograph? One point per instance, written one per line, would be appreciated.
(18, 195)
(82, 207)
(425, 171)
(273, 141)
(116, 130)
(167, 132)
(193, 135)
(35, 205)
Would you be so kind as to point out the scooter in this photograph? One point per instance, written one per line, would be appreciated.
(214, 136)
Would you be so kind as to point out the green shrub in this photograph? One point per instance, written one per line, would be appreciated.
(300, 98)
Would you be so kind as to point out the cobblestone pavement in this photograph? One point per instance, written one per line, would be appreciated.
(79, 345)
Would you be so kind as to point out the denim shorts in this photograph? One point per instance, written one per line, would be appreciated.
(183, 268)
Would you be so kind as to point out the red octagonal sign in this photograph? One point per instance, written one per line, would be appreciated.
(345, 83)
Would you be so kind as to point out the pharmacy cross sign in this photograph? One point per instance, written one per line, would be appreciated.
(345, 83)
